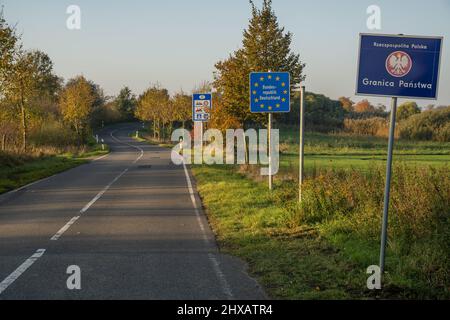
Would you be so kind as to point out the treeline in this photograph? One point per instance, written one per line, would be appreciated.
(162, 111)
(433, 123)
(39, 111)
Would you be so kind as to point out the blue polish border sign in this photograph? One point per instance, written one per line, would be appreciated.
(399, 66)
(270, 92)
(201, 107)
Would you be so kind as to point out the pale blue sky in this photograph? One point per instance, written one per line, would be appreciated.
(177, 42)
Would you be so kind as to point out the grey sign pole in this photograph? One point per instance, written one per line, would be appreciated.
(387, 191)
(269, 127)
(302, 142)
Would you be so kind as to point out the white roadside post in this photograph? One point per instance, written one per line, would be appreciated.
(103, 144)
(302, 143)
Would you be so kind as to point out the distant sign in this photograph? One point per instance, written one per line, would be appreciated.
(399, 66)
(270, 92)
(201, 107)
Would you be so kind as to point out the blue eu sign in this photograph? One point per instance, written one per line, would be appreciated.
(399, 66)
(270, 92)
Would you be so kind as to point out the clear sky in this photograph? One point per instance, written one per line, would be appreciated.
(177, 42)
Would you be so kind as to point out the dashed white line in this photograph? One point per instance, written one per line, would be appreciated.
(130, 145)
(212, 258)
(65, 228)
(39, 253)
(86, 207)
(100, 194)
(20, 270)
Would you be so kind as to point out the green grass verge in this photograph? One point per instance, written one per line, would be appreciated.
(17, 171)
(289, 263)
(325, 260)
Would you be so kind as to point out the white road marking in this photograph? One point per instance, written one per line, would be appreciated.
(212, 258)
(86, 207)
(44, 179)
(39, 253)
(27, 186)
(65, 228)
(20, 270)
(100, 194)
(102, 157)
(130, 145)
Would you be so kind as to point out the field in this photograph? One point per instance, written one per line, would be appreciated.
(348, 152)
(322, 248)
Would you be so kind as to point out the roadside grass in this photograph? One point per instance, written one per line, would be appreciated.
(19, 170)
(290, 263)
(144, 136)
(322, 249)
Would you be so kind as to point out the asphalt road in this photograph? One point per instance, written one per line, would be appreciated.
(131, 221)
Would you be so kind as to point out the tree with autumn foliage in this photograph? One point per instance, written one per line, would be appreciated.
(182, 105)
(154, 106)
(77, 102)
(266, 47)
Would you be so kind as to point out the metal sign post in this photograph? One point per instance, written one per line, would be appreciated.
(397, 66)
(302, 142)
(387, 190)
(270, 93)
(269, 128)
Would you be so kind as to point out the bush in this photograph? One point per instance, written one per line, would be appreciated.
(52, 133)
(378, 127)
(420, 201)
(348, 207)
(429, 125)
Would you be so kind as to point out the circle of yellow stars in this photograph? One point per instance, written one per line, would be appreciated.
(262, 105)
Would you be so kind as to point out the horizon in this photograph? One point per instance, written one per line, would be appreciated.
(182, 58)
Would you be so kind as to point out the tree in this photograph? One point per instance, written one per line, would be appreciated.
(407, 110)
(77, 103)
(126, 103)
(152, 105)
(30, 78)
(266, 47)
(182, 104)
(347, 103)
(364, 106)
(9, 49)
(322, 113)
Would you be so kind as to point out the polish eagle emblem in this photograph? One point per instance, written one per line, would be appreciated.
(398, 64)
